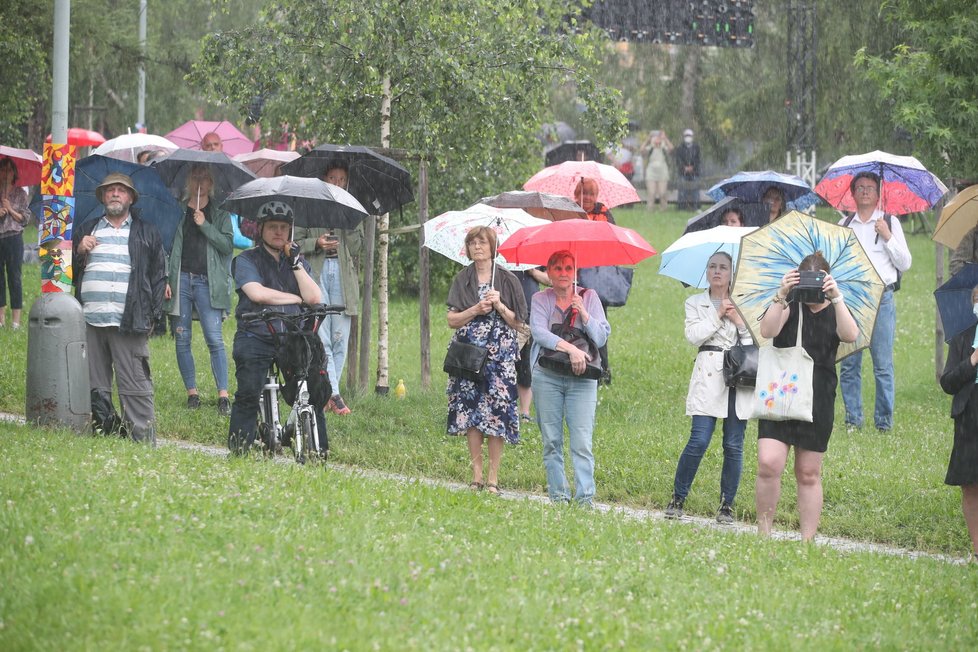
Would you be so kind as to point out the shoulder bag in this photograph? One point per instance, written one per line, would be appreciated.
(784, 382)
(740, 365)
(466, 361)
(612, 283)
(559, 362)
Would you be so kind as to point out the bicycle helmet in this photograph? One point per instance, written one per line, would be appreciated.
(275, 211)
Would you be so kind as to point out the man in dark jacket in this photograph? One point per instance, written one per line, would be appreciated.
(688, 164)
(120, 276)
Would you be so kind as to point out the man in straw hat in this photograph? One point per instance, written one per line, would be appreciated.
(120, 277)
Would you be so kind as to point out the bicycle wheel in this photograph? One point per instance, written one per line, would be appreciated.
(304, 442)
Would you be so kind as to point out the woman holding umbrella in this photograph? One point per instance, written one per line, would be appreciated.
(199, 284)
(825, 325)
(14, 214)
(486, 308)
(773, 202)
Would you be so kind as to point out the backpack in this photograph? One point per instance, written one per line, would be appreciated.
(290, 357)
(889, 223)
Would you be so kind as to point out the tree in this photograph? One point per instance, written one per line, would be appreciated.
(929, 78)
(468, 82)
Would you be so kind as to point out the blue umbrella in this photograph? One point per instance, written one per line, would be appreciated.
(156, 204)
(954, 301)
(750, 187)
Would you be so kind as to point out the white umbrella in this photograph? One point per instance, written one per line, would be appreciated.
(128, 146)
(685, 259)
(266, 162)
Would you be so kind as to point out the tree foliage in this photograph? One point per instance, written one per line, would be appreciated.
(930, 79)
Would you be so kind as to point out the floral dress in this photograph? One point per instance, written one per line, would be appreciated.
(492, 407)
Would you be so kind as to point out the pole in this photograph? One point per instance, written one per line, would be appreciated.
(424, 280)
(59, 94)
(141, 104)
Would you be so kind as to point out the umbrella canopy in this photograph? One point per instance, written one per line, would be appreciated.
(315, 203)
(907, 186)
(156, 204)
(751, 186)
(28, 164)
(128, 146)
(954, 301)
(538, 204)
(82, 137)
(776, 248)
(266, 162)
(189, 134)
(959, 216)
(685, 259)
(593, 244)
(613, 188)
(227, 174)
(711, 216)
(572, 150)
(446, 233)
(379, 183)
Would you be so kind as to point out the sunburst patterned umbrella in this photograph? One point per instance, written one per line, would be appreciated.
(772, 250)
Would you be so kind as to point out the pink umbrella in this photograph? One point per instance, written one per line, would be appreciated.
(28, 164)
(613, 188)
(188, 136)
(82, 137)
(266, 162)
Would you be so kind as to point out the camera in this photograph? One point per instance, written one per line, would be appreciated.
(809, 288)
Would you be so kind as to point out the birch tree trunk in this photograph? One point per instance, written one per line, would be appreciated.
(383, 240)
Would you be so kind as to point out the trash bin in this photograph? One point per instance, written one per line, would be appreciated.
(58, 388)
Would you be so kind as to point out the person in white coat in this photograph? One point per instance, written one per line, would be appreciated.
(714, 325)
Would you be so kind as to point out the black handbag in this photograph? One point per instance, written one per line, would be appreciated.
(612, 283)
(559, 362)
(740, 365)
(466, 361)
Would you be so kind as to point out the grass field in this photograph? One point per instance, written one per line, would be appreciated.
(111, 546)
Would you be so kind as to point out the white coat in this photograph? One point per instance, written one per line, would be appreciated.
(707, 395)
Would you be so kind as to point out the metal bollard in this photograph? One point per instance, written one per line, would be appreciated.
(58, 387)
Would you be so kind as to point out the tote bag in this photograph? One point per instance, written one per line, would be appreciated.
(784, 382)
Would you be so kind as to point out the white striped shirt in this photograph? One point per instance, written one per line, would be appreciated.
(106, 279)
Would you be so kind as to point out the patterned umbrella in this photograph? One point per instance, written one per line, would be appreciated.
(751, 186)
(776, 248)
(907, 186)
(613, 188)
(446, 233)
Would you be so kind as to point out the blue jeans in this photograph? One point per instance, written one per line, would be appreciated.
(881, 350)
(195, 294)
(699, 440)
(560, 399)
(335, 329)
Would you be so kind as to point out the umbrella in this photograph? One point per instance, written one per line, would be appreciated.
(959, 216)
(685, 259)
(189, 134)
(711, 216)
(538, 204)
(446, 233)
(613, 188)
(156, 204)
(572, 150)
(751, 186)
(778, 247)
(593, 244)
(82, 137)
(379, 183)
(128, 146)
(315, 203)
(227, 174)
(266, 162)
(28, 163)
(907, 186)
(954, 301)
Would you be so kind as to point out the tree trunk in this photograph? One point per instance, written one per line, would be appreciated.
(383, 362)
(691, 76)
(425, 280)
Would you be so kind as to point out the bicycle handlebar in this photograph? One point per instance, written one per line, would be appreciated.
(268, 314)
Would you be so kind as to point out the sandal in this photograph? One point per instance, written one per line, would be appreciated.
(494, 489)
(476, 486)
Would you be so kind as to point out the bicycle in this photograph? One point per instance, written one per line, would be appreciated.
(296, 339)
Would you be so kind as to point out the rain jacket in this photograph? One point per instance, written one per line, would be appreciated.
(219, 235)
(147, 278)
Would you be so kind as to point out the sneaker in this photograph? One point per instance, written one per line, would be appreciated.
(224, 406)
(725, 514)
(675, 508)
(193, 401)
(338, 405)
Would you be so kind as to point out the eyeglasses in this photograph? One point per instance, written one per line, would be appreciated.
(865, 189)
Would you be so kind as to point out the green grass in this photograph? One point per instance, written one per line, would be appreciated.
(885, 489)
(113, 546)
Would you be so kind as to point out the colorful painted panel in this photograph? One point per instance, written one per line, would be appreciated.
(55, 268)
(57, 211)
(58, 174)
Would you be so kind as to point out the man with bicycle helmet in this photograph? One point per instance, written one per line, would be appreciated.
(271, 274)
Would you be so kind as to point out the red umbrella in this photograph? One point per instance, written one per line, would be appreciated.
(593, 244)
(188, 136)
(613, 188)
(28, 164)
(82, 137)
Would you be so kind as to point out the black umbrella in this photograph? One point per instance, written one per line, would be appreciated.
(379, 183)
(227, 174)
(538, 204)
(315, 203)
(954, 301)
(711, 216)
(573, 150)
